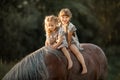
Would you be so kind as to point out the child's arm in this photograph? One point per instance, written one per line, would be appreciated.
(71, 31)
(58, 42)
(61, 36)
(69, 37)
(46, 43)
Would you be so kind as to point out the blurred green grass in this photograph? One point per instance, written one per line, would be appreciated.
(5, 67)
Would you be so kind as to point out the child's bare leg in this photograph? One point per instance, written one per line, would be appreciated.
(79, 56)
(67, 55)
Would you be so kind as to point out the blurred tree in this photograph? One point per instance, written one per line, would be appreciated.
(22, 27)
(108, 12)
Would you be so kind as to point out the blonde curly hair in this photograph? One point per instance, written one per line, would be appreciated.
(50, 19)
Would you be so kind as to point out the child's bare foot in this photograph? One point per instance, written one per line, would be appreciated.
(84, 71)
(70, 64)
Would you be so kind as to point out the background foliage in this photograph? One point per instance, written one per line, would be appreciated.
(22, 28)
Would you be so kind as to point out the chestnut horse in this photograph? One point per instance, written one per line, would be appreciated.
(49, 64)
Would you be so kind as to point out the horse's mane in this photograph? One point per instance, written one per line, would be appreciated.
(32, 67)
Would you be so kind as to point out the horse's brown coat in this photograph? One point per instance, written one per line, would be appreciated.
(95, 59)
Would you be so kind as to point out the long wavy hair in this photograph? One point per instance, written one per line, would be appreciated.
(50, 19)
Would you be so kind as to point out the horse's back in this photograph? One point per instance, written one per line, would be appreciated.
(49, 64)
(96, 61)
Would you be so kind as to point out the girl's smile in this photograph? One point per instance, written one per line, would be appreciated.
(65, 19)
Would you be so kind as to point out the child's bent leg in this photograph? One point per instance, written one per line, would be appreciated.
(67, 55)
(79, 56)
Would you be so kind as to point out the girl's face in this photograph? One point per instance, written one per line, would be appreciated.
(65, 19)
(51, 26)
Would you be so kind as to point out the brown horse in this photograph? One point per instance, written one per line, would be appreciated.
(50, 64)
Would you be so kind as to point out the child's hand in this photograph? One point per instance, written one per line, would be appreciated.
(69, 44)
(54, 46)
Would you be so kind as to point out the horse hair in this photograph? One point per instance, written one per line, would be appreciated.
(37, 65)
(32, 67)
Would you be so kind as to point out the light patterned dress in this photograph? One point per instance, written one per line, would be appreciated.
(54, 37)
(72, 28)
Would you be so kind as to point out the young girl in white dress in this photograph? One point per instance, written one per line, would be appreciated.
(55, 37)
(70, 30)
